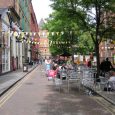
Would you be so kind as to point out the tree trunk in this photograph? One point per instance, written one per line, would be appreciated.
(98, 58)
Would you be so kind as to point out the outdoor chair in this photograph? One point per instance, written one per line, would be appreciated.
(63, 74)
(73, 80)
(63, 78)
(61, 81)
(111, 86)
(57, 83)
(103, 82)
(88, 80)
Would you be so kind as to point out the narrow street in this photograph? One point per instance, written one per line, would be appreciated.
(57, 57)
(35, 95)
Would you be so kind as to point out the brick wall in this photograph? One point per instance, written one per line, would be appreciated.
(6, 3)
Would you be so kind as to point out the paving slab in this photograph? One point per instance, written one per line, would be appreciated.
(9, 79)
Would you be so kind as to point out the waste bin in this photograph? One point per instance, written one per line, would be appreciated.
(25, 68)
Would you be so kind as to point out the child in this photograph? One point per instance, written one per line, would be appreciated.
(52, 73)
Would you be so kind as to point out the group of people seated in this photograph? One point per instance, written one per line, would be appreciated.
(56, 66)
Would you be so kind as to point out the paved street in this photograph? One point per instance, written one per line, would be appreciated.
(35, 95)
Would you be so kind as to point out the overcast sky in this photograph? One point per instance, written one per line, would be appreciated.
(41, 8)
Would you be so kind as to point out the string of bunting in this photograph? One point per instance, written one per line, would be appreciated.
(31, 37)
(43, 33)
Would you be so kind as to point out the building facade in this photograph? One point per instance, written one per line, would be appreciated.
(34, 46)
(4, 41)
(24, 13)
(107, 49)
(15, 29)
(44, 41)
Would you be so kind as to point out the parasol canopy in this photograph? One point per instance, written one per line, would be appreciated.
(65, 54)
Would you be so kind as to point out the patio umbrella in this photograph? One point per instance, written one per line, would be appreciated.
(66, 54)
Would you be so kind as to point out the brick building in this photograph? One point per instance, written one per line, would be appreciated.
(34, 29)
(44, 41)
(107, 49)
(17, 16)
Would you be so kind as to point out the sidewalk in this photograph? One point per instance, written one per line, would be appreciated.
(10, 79)
(109, 96)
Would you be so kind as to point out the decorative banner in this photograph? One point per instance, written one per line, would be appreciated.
(52, 33)
(26, 33)
(30, 33)
(62, 33)
(15, 34)
(22, 34)
(43, 33)
(34, 33)
(57, 33)
(70, 32)
(29, 37)
(47, 33)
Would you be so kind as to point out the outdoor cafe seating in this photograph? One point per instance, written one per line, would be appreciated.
(73, 80)
(82, 78)
(61, 81)
(68, 78)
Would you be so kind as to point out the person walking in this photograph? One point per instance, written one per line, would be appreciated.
(105, 66)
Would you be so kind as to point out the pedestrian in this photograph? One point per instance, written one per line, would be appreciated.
(40, 60)
(89, 64)
(107, 65)
(47, 65)
(102, 68)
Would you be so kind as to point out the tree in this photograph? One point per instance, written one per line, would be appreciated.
(86, 45)
(93, 16)
(64, 33)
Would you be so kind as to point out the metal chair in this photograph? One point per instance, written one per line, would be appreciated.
(88, 80)
(61, 81)
(111, 85)
(103, 82)
(57, 83)
(73, 79)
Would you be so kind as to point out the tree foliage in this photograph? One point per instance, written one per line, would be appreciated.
(92, 16)
(59, 21)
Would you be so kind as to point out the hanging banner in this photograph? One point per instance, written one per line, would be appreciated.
(62, 33)
(47, 33)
